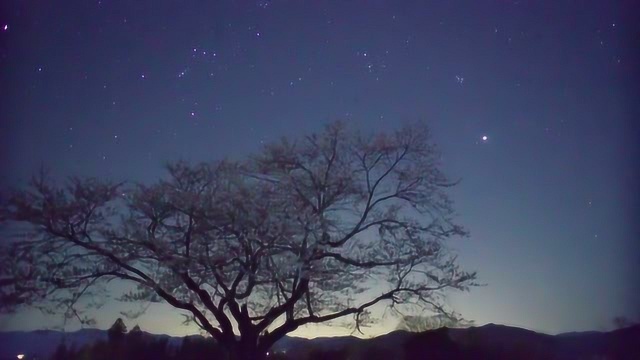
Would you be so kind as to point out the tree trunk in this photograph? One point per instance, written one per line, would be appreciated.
(245, 347)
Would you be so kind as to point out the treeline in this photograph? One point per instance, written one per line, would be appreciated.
(135, 347)
(138, 345)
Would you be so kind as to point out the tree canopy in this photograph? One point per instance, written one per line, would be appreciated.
(306, 231)
(417, 323)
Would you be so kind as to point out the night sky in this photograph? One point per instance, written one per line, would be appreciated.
(533, 104)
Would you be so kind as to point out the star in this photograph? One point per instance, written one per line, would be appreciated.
(5, 27)
(485, 138)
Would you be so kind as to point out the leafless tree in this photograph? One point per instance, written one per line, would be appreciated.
(305, 232)
(417, 323)
(621, 322)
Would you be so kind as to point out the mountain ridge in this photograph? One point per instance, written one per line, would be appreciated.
(490, 341)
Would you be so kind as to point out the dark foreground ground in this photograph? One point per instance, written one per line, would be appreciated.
(485, 342)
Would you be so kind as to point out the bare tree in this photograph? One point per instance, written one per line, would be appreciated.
(414, 323)
(305, 232)
(621, 322)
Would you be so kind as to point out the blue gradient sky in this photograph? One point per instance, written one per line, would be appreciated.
(116, 88)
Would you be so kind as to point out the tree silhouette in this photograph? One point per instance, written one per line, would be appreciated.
(117, 331)
(137, 346)
(423, 323)
(291, 236)
(621, 322)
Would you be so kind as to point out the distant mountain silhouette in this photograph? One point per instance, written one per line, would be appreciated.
(490, 341)
(485, 342)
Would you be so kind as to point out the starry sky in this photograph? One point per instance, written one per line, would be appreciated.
(533, 104)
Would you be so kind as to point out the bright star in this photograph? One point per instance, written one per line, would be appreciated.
(485, 138)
